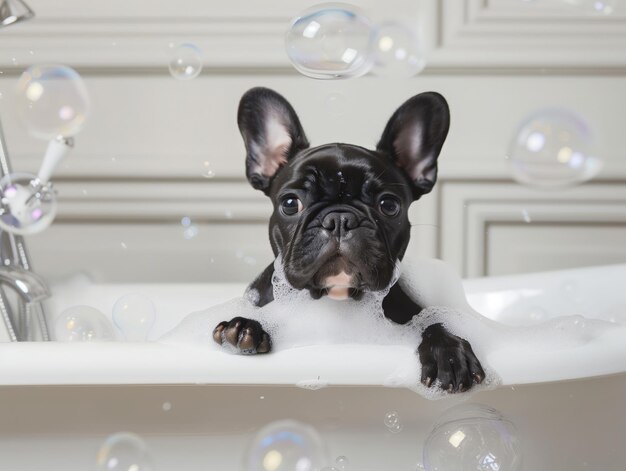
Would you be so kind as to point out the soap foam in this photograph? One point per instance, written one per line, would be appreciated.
(295, 319)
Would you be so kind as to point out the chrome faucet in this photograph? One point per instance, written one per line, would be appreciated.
(24, 320)
(29, 324)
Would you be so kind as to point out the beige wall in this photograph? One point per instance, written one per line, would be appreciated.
(137, 166)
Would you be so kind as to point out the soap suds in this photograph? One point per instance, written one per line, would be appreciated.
(294, 319)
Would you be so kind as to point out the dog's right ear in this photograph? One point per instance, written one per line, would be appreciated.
(271, 132)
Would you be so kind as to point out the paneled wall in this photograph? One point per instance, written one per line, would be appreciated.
(143, 160)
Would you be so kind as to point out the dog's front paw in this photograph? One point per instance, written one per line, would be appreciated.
(450, 359)
(246, 336)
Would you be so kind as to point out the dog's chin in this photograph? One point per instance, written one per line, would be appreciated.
(340, 286)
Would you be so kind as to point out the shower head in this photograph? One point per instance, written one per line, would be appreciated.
(13, 11)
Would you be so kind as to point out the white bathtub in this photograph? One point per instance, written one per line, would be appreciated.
(59, 401)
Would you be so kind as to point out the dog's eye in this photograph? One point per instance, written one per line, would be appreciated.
(291, 205)
(389, 206)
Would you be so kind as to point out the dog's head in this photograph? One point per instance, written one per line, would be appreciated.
(340, 219)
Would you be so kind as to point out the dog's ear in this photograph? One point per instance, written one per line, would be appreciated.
(414, 136)
(272, 133)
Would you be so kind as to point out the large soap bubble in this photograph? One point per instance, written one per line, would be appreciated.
(124, 452)
(553, 148)
(27, 205)
(472, 437)
(134, 315)
(83, 324)
(52, 101)
(397, 51)
(330, 41)
(286, 445)
(186, 63)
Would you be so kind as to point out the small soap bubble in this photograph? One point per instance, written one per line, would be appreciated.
(553, 148)
(473, 436)
(330, 41)
(599, 7)
(397, 51)
(207, 172)
(124, 452)
(123, 245)
(134, 315)
(167, 406)
(186, 62)
(228, 214)
(27, 205)
(329, 468)
(526, 216)
(342, 463)
(391, 419)
(52, 100)
(83, 324)
(286, 445)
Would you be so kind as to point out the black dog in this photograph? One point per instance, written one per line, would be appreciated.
(340, 218)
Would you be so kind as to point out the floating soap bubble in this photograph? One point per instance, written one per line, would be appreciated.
(286, 445)
(342, 463)
(597, 7)
(397, 51)
(392, 422)
(124, 452)
(52, 100)
(83, 324)
(472, 437)
(553, 148)
(27, 205)
(186, 63)
(330, 41)
(134, 315)
(603, 7)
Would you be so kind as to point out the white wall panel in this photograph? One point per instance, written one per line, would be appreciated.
(138, 165)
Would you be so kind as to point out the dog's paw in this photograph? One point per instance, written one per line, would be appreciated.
(246, 336)
(450, 359)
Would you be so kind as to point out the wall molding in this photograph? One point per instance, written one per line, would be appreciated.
(472, 208)
(475, 35)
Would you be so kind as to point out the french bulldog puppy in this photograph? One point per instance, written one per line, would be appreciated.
(340, 219)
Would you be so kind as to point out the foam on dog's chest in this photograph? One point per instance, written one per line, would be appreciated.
(338, 286)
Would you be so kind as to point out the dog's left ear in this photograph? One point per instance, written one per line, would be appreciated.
(271, 132)
(414, 136)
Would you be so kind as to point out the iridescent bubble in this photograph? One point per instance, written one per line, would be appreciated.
(342, 463)
(52, 100)
(286, 445)
(83, 324)
(473, 436)
(397, 51)
(597, 7)
(186, 63)
(27, 205)
(134, 315)
(553, 148)
(391, 419)
(124, 452)
(330, 41)
(605, 7)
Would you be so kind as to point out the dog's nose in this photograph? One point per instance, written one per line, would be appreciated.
(339, 223)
